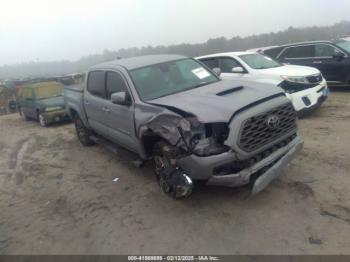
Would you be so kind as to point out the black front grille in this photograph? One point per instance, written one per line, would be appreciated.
(314, 78)
(291, 87)
(259, 130)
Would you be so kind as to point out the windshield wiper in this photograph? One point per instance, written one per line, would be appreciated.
(202, 84)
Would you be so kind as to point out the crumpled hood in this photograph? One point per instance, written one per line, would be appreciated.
(52, 102)
(205, 103)
(291, 70)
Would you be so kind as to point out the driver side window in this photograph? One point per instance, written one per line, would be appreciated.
(115, 83)
(226, 64)
(324, 51)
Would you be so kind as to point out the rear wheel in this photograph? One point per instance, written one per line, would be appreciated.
(83, 132)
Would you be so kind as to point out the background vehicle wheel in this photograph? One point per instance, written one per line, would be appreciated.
(23, 116)
(83, 132)
(42, 120)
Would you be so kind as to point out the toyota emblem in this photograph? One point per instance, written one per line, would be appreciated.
(272, 122)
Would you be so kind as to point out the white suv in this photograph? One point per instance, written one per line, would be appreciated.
(304, 86)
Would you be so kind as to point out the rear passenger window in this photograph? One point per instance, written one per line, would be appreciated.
(96, 83)
(115, 83)
(211, 62)
(299, 52)
(324, 51)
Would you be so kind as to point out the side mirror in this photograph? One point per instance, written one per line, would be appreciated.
(339, 55)
(237, 69)
(121, 98)
(217, 71)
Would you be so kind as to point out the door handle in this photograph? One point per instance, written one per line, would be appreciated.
(86, 102)
(317, 62)
(106, 109)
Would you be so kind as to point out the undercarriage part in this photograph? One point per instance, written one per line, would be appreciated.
(175, 182)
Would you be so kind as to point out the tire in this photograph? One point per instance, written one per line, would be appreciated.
(165, 157)
(23, 116)
(42, 120)
(83, 132)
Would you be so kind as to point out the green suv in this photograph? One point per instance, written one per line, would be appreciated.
(43, 102)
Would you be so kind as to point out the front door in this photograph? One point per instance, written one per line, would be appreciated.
(28, 103)
(120, 117)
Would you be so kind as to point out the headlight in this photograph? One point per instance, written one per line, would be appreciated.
(296, 79)
(49, 109)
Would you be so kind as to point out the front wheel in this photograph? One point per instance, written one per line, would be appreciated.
(172, 180)
(42, 120)
(23, 116)
(83, 132)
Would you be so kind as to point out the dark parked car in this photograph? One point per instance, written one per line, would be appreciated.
(330, 57)
(42, 101)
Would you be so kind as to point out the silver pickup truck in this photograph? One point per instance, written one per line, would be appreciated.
(175, 110)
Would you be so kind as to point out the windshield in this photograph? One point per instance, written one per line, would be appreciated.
(344, 45)
(159, 80)
(48, 91)
(258, 61)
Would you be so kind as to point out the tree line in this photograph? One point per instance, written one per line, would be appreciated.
(221, 44)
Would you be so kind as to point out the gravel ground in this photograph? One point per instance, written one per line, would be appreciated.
(57, 197)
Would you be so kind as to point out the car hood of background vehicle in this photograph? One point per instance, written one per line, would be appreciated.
(291, 70)
(52, 102)
(205, 103)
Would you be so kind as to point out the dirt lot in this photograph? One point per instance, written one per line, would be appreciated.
(57, 197)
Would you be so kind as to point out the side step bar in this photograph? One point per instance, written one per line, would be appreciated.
(114, 149)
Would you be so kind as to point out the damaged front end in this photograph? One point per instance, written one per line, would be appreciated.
(181, 137)
(248, 149)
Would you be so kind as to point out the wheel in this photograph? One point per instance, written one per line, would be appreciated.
(42, 120)
(172, 180)
(23, 116)
(83, 132)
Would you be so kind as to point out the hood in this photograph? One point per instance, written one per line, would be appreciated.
(290, 70)
(52, 102)
(217, 102)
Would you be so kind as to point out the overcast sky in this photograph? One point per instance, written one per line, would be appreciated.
(46, 30)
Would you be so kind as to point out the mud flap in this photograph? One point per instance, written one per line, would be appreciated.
(265, 179)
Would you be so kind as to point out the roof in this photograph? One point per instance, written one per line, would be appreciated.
(227, 54)
(139, 61)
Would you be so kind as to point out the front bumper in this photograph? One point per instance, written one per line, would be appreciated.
(270, 167)
(56, 116)
(309, 99)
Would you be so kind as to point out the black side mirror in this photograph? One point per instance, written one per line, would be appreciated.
(121, 98)
(338, 55)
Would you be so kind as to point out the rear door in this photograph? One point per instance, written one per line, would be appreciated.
(94, 101)
(120, 117)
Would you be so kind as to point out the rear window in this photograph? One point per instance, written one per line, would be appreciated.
(48, 91)
(273, 52)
